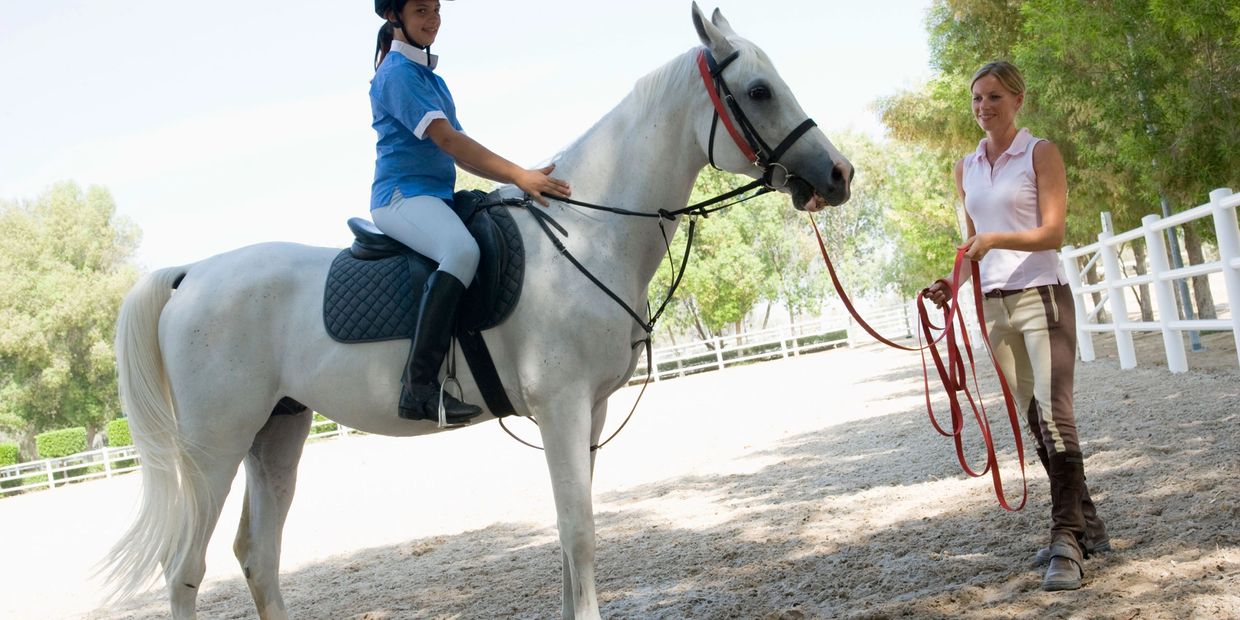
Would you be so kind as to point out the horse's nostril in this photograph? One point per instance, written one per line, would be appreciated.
(842, 173)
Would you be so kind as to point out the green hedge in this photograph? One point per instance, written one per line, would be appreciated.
(118, 433)
(322, 428)
(119, 437)
(10, 454)
(64, 442)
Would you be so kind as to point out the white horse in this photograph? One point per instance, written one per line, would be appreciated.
(201, 369)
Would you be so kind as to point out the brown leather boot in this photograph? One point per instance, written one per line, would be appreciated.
(1096, 540)
(1067, 475)
(1063, 571)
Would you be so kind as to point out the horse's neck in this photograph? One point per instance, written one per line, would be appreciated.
(643, 156)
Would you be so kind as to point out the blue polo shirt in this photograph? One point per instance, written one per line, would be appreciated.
(405, 96)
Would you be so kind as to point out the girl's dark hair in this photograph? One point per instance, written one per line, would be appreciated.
(383, 44)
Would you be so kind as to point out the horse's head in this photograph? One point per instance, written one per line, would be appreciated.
(758, 128)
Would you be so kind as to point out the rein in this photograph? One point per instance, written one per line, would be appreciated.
(951, 370)
(751, 145)
(550, 227)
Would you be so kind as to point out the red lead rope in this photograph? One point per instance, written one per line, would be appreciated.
(952, 370)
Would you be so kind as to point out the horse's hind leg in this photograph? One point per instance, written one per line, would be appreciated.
(271, 475)
(205, 485)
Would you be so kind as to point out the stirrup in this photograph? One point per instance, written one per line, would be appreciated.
(442, 422)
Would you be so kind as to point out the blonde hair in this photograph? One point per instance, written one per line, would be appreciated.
(1007, 74)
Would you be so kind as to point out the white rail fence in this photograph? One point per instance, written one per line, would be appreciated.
(102, 463)
(768, 344)
(1222, 208)
(674, 361)
(792, 340)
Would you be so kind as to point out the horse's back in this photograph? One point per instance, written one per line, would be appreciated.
(265, 265)
(237, 310)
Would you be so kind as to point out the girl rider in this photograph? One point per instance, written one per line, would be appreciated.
(419, 144)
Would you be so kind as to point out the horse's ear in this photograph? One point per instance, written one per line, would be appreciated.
(719, 20)
(711, 36)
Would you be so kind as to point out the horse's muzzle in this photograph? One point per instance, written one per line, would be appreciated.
(818, 187)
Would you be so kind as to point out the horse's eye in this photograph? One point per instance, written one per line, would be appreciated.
(760, 92)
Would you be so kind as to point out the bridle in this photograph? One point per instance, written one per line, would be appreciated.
(752, 146)
(756, 150)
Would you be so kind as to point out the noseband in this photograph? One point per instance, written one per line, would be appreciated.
(747, 138)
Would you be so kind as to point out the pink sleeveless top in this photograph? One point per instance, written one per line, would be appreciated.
(1004, 199)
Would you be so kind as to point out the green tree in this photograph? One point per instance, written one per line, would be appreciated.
(466, 180)
(919, 215)
(63, 274)
(763, 250)
(1138, 94)
(1155, 115)
(728, 270)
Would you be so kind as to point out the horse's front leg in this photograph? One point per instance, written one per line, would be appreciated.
(599, 416)
(567, 433)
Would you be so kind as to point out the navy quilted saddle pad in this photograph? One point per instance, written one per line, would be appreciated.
(374, 287)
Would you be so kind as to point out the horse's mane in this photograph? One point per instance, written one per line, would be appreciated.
(647, 92)
(649, 88)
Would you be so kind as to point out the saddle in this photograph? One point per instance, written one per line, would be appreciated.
(374, 287)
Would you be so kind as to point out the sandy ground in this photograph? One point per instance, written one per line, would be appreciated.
(807, 488)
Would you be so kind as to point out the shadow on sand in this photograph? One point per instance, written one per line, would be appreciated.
(866, 519)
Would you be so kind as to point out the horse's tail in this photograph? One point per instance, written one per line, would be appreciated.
(166, 519)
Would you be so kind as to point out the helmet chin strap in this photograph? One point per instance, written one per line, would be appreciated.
(410, 40)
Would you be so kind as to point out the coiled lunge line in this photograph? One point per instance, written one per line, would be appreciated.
(952, 369)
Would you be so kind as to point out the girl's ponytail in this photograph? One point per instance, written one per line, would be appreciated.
(383, 43)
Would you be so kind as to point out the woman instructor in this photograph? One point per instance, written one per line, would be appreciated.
(1015, 194)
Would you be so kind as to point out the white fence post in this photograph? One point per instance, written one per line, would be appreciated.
(1119, 305)
(1228, 235)
(107, 463)
(1156, 249)
(51, 480)
(1084, 337)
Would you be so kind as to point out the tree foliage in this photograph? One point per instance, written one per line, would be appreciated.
(466, 181)
(63, 273)
(726, 274)
(1140, 95)
(763, 250)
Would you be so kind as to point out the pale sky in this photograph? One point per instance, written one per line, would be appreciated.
(224, 123)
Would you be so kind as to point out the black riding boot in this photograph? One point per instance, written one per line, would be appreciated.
(419, 397)
(1064, 571)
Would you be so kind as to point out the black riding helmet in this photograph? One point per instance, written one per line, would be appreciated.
(383, 6)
